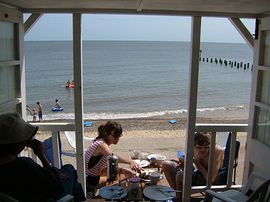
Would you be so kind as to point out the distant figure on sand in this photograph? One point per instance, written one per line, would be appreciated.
(29, 110)
(57, 104)
(39, 109)
(34, 114)
(97, 154)
(173, 169)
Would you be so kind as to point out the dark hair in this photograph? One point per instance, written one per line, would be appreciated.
(56, 100)
(110, 128)
(202, 139)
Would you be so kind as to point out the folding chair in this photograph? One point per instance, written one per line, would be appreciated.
(70, 136)
(48, 149)
(223, 172)
(256, 189)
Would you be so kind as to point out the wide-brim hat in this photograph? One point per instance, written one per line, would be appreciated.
(13, 129)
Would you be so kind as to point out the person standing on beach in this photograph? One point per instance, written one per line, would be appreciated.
(29, 110)
(34, 114)
(39, 109)
(173, 169)
(97, 154)
(24, 179)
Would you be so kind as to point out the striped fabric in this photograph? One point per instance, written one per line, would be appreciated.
(102, 163)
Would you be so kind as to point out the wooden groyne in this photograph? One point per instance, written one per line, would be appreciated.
(230, 63)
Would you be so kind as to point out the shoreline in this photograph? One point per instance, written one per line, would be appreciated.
(232, 116)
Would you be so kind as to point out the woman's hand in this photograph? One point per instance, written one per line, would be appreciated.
(135, 167)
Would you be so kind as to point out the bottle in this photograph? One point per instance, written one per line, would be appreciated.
(112, 167)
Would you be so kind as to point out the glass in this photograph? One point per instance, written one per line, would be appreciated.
(7, 41)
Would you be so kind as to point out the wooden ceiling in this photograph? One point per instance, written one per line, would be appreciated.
(218, 8)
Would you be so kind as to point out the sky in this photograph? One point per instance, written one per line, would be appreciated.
(131, 27)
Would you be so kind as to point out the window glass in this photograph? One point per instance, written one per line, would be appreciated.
(7, 41)
(8, 83)
(263, 125)
(267, 48)
(265, 86)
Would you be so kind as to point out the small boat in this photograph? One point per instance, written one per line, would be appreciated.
(70, 86)
(57, 109)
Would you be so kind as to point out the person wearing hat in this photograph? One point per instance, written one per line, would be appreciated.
(24, 179)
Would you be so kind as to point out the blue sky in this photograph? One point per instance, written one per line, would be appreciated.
(131, 27)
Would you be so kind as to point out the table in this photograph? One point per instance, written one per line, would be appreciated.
(137, 195)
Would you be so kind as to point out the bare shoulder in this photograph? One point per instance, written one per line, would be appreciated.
(219, 151)
(104, 148)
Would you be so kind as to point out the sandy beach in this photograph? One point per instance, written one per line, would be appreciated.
(156, 135)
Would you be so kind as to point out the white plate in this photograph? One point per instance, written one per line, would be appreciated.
(158, 157)
(142, 163)
(159, 192)
(113, 192)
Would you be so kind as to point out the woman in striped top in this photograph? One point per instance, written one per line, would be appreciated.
(97, 153)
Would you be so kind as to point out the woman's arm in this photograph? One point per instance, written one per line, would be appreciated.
(133, 165)
(105, 150)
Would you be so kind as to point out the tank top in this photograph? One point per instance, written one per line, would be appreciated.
(99, 165)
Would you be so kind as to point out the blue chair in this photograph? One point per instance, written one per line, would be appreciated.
(48, 149)
(223, 172)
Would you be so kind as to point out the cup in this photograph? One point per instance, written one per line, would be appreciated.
(154, 177)
(136, 154)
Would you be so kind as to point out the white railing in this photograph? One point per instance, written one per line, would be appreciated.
(55, 129)
(214, 128)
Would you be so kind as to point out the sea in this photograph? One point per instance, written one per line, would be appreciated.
(134, 79)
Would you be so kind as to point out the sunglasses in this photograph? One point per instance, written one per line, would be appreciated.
(199, 147)
(117, 136)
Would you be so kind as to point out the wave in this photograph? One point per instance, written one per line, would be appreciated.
(100, 116)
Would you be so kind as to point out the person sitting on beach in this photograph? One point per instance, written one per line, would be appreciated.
(173, 169)
(96, 157)
(57, 104)
(24, 179)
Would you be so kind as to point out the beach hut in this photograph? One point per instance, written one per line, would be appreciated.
(12, 66)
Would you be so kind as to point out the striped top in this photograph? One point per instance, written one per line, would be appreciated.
(100, 165)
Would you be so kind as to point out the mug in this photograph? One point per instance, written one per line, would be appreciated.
(155, 177)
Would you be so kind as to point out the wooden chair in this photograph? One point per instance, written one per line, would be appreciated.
(256, 189)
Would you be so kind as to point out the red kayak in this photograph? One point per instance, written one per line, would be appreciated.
(70, 86)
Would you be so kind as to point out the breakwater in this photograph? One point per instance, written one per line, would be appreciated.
(226, 62)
